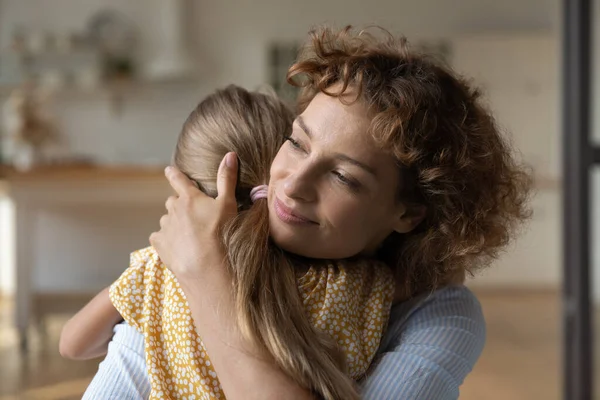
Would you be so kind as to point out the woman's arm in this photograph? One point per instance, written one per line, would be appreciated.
(431, 345)
(87, 333)
(245, 371)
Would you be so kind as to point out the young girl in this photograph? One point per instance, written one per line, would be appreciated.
(302, 316)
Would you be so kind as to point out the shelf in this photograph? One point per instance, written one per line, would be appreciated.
(113, 88)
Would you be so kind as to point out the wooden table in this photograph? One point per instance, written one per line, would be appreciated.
(30, 192)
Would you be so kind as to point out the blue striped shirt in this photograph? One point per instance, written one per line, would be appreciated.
(431, 344)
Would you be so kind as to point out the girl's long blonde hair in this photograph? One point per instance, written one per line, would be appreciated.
(268, 305)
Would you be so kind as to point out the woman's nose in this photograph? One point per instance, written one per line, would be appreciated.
(300, 186)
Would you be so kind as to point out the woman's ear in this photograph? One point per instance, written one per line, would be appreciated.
(409, 216)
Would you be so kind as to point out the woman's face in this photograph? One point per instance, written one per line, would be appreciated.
(333, 192)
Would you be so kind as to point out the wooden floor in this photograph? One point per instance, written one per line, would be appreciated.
(521, 360)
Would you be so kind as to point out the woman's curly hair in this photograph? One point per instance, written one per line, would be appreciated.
(452, 156)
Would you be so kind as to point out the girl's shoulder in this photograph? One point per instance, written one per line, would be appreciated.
(354, 277)
(143, 258)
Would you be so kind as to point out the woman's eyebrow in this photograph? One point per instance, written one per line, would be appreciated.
(303, 126)
(350, 160)
(342, 157)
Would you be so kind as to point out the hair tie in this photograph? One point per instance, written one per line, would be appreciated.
(259, 192)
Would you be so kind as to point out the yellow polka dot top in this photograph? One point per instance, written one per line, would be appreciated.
(352, 303)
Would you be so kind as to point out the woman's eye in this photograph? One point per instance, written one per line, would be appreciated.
(346, 181)
(294, 143)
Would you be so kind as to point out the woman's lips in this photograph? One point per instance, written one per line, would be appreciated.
(287, 215)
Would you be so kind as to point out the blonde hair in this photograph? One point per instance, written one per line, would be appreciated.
(268, 305)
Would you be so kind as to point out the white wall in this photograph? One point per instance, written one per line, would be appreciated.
(519, 75)
(229, 38)
(93, 246)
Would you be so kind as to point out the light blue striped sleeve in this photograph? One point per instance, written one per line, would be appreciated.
(431, 345)
(122, 374)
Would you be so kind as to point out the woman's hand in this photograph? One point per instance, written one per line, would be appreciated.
(189, 236)
(189, 243)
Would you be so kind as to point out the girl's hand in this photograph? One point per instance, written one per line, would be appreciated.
(189, 238)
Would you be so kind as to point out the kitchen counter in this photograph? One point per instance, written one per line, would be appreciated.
(78, 172)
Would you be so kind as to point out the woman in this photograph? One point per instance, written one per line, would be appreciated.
(392, 156)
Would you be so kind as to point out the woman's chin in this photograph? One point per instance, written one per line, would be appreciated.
(309, 248)
(291, 245)
(296, 245)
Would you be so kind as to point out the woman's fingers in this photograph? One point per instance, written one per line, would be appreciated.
(169, 203)
(227, 179)
(182, 185)
(163, 221)
(154, 239)
(191, 229)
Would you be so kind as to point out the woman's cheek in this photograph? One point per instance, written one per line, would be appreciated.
(340, 216)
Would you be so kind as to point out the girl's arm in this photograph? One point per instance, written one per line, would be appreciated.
(87, 333)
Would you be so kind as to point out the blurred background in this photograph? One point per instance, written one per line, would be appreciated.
(93, 94)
